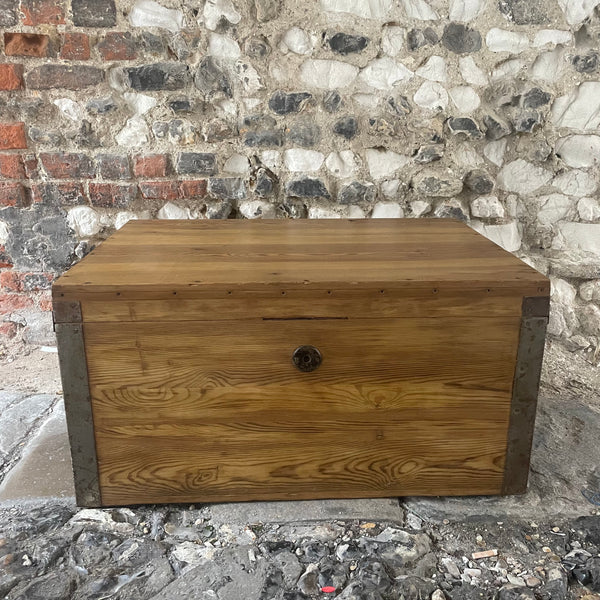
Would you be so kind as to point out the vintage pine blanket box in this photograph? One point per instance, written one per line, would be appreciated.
(295, 359)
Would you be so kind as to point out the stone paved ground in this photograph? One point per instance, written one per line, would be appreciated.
(543, 545)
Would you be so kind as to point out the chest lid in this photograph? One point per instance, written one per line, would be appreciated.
(212, 257)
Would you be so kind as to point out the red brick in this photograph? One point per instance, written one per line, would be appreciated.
(70, 77)
(31, 166)
(112, 194)
(11, 76)
(69, 193)
(192, 188)
(76, 46)
(11, 281)
(12, 194)
(113, 166)
(45, 303)
(26, 44)
(151, 165)
(12, 302)
(63, 165)
(8, 329)
(162, 190)
(11, 166)
(12, 136)
(41, 12)
(117, 46)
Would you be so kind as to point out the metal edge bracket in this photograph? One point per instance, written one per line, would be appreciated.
(78, 408)
(66, 312)
(526, 382)
(536, 306)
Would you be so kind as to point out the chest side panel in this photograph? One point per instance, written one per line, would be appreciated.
(209, 411)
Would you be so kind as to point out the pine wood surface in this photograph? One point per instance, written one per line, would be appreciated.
(306, 304)
(200, 257)
(189, 330)
(193, 411)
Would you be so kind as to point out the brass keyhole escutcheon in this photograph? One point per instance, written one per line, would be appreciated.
(306, 358)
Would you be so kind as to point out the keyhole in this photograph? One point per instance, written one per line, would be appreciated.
(306, 358)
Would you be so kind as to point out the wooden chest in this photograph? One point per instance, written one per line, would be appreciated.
(294, 359)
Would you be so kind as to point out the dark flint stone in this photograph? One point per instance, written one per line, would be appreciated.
(211, 77)
(460, 39)
(179, 47)
(218, 130)
(227, 188)
(307, 187)
(101, 106)
(180, 105)
(94, 13)
(451, 211)
(428, 154)
(357, 192)
(496, 128)
(265, 184)
(527, 121)
(196, 163)
(284, 103)
(399, 106)
(264, 138)
(40, 239)
(345, 43)
(160, 129)
(524, 12)
(160, 76)
(479, 181)
(332, 101)
(586, 63)
(179, 130)
(464, 125)
(588, 574)
(292, 209)
(218, 210)
(303, 133)
(417, 38)
(51, 138)
(535, 98)
(259, 121)
(346, 127)
(152, 43)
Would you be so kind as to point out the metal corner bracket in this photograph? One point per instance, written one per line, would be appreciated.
(78, 408)
(526, 382)
(65, 311)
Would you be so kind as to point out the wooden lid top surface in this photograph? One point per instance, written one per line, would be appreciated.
(217, 255)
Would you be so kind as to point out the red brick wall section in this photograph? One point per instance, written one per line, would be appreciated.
(59, 150)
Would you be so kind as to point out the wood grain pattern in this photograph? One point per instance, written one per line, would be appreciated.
(306, 304)
(189, 331)
(202, 256)
(192, 411)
